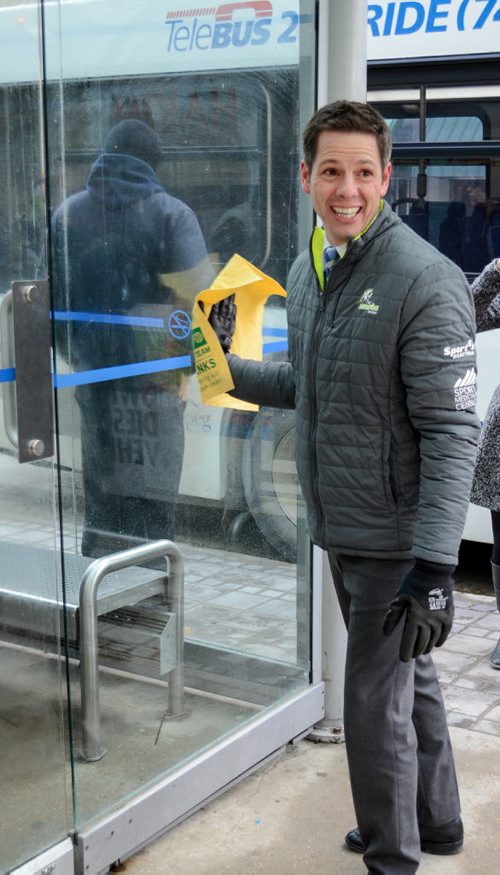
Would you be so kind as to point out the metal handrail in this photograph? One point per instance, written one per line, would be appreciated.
(7, 360)
(92, 748)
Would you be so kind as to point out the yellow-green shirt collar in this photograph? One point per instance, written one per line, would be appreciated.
(318, 245)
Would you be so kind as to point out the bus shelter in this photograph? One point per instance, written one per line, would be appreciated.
(165, 625)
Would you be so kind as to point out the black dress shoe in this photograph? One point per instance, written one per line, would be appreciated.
(444, 840)
(354, 841)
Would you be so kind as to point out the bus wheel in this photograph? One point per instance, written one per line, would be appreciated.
(270, 479)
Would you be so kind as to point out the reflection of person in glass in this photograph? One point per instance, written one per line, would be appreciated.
(486, 485)
(129, 259)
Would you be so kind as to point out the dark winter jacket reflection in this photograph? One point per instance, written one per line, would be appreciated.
(128, 261)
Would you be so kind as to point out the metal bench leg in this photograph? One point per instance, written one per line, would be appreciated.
(92, 749)
(175, 601)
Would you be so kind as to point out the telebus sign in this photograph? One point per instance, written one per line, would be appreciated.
(86, 38)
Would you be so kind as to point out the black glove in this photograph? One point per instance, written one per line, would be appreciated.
(426, 600)
(223, 320)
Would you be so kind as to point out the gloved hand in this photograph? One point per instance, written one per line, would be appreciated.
(223, 320)
(426, 602)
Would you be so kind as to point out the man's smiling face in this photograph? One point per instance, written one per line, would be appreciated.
(345, 182)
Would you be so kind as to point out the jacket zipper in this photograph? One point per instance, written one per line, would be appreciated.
(318, 330)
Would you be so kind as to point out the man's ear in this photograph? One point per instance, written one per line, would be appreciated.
(304, 177)
(386, 178)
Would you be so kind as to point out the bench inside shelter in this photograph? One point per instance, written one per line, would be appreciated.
(135, 603)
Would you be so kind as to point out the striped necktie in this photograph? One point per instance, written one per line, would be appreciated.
(330, 256)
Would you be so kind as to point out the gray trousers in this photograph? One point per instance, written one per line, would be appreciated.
(398, 746)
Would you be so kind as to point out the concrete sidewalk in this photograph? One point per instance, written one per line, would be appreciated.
(291, 815)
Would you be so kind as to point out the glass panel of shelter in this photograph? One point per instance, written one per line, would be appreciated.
(34, 734)
(145, 459)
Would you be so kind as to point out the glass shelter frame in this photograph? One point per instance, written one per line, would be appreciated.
(121, 639)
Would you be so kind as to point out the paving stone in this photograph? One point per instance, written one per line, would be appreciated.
(284, 588)
(191, 577)
(468, 683)
(465, 643)
(493, 634)
(473, 704)
(461, 600)
(486, 607)
(482, 669)
(271, 594)
(487, 726)
(276, 609)
(494, 715)
(465, 615)
(238, 601)
(445, 677)
(490, 621)
(251, 590)
(194, 594)
(264, 650)
(463, 720)
(208, 613)
(476, 631)
(225, 636)
(452, 661)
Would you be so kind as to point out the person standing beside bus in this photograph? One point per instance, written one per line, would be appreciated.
(128, 259)
(386, 439)
(486, 483)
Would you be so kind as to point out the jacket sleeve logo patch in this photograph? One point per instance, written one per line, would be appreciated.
(465, 390)
(460, 352)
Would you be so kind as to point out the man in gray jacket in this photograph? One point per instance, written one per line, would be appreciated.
(382, 376)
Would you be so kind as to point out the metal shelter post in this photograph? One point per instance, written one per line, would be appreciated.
(342, 61)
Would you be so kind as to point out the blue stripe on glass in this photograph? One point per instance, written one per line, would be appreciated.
(275, 332)
(145, 321)
(100, 375)
(7, 375)
(278, 346)
(107, 318)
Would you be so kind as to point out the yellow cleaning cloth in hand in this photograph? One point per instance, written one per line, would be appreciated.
(251, 289)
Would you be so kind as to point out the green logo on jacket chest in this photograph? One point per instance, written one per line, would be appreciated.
(366, 303)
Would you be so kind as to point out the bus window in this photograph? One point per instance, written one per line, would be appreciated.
(214, 134)
(446, 177)
(459, 214)
(215, 131)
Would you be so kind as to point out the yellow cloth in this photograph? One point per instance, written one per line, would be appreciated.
(251, 289)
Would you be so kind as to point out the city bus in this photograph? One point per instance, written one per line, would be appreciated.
(231, 151)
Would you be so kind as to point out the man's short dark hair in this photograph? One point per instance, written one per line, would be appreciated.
(346, 116)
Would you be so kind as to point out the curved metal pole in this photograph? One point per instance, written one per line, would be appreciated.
(89, 667)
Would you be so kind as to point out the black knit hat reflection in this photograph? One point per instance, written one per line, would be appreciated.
(133, 137)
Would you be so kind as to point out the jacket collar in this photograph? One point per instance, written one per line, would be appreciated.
(355, 246)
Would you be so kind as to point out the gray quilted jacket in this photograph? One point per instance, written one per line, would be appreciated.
(382, 376)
